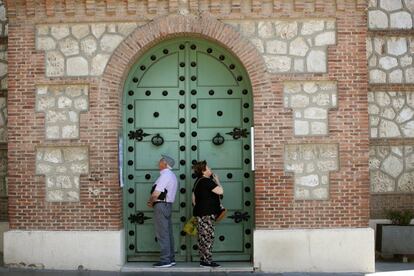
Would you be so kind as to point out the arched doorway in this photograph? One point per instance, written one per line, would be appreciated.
(190, 99)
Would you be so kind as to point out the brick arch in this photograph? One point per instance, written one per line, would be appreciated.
(203, 26)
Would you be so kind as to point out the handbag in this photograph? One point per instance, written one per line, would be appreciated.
(221, 214)
(190, 227)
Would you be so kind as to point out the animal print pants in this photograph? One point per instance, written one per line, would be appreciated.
(205, 228)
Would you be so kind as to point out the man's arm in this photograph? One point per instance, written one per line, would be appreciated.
(153, 198)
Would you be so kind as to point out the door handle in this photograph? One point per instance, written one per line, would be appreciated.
(138, 218)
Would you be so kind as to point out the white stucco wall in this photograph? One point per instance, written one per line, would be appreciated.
(4, 226)
(97, 250)
(315, 250)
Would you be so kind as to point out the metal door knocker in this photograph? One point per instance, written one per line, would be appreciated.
(218, 139)
(157, 140)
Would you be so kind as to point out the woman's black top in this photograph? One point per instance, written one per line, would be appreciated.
(207, 202)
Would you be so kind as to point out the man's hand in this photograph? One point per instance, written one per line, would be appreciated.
(150, 204)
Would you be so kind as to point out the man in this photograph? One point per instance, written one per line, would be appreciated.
(162, 199)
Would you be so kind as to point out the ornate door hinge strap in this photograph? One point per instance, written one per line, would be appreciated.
(138, 218)
(138, 134)
(238, 133)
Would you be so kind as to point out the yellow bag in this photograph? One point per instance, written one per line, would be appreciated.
(190, 227)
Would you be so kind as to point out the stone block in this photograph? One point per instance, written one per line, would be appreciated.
(377, 19)
(401, 20)
(391, 169)
(320, 159)
(61, 105)
(62, 167)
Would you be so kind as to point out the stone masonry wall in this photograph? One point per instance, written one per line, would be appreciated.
(311, 165)
(62, 106)
(391, 114)
(291, 46)
(390, 14)
(79, 49)
(62, 167)
(310, 102)
(343, 62)
(390, 49)
(390, 59)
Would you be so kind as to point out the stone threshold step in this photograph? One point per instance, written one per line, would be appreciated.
(188, 267)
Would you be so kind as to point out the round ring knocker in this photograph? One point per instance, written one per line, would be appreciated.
(218, 139)
(157, 140)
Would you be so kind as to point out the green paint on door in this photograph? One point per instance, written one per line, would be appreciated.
(178, 97)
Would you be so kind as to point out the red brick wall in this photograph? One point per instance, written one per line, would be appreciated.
(379, 203)
(348, 205)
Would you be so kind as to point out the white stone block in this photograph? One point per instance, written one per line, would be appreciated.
(248, 28)
(80, 31)
(409, 75)
(312, 26)
(276, 47)
(396, 76)
(392, 166)
(64, 102)
(265, 29)
(70, 132)
(69, 46)
(278, 63)
(77, 66)
(319, 128)
(406, 183)
(405, 115)
(53, 155)
(310, 87)
(408, 129)
(94, 250)
(397, 46)
(59, 31)
(381, 183)
(316, 61)
(388, 129)
(109, 42)
(401, 20)
(388, 113)
(406, 61)
(286, 30)
(45, 43)
(299, 101)
(377, 19)
(99, 63)
(299, 65)
(326, 38)
(55, 64)
(301, 127)
(377, 76)
(52, 132)
(98, 30)
(315, 113)
(298, 47)
(126, 28)
(305, 250)
(390, 5)
(388, 62)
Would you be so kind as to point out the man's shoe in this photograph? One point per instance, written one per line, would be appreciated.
(212, 264)
(173, 263)
(162, 265)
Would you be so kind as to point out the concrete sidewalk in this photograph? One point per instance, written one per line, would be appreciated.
(382, 269)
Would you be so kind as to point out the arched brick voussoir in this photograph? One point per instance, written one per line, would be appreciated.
(203, 26)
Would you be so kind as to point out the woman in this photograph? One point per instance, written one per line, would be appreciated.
(206, 202)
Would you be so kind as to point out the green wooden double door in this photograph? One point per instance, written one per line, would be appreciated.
(192, 100)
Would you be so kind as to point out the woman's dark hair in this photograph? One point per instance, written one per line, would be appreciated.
(199, 168)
